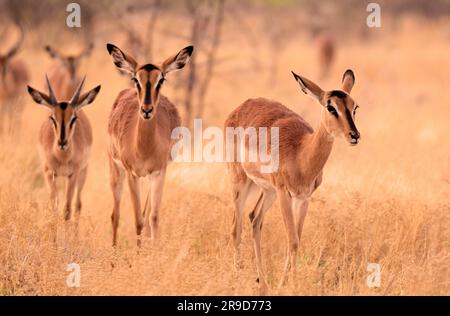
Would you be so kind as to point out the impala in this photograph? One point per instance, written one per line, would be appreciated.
(65, 141)
(326, 51)
(303, 154)
(139, 136)
(64, 73)
(13, 79)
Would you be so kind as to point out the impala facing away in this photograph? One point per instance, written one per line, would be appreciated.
(13, 79)
(139, 136)
(303, 154)
(65, 141)
(64, 73)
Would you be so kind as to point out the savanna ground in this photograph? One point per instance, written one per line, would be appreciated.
(384, 201)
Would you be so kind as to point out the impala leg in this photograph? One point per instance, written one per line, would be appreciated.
(117, 176)
(50, 179)
(265, 201)
(300, 208)
(289, 222)
(240, 192)
(71, 185)
(156, 191)
(80, 185)
(133, 185)
(146, 214)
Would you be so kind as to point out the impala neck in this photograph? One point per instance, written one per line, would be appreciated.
(145, 138)
(314, 154)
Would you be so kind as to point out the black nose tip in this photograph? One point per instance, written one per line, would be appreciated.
(62, 143)
(146, 113)
(354, 134)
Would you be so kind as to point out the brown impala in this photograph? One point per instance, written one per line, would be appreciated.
(139, 136)
(302, 153)
(65, 142)
(13, 80)
(64, 73)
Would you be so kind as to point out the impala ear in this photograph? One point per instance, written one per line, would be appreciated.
(348, 80)
(40, 97)
(177, 61)
(309, 88)
(87, 98)
(122, 61)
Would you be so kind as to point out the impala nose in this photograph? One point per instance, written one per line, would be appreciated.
(62, 144)
(147, 114)
(354, 137)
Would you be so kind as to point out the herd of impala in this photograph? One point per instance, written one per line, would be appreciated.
(139, 142)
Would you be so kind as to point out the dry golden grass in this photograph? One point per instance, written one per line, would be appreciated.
(385, 201)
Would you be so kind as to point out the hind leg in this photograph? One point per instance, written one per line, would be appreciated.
(265, 201)
(240, 189)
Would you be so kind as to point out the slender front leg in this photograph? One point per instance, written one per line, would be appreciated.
(50, 179)
(117, 176)
(80, 184)
(300, 208)
(289, 222)
(156, 191)
(133, 185)
(146, 214)
(71, 184)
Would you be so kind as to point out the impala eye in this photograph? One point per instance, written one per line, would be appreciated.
(53, 121)
(160, 83)
(135, 81)
(72, 121)
(332, 110)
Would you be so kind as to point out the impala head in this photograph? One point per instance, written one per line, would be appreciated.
(339, 108)
(5, 58)
(70, 62)
(64, 114)
(149, 78)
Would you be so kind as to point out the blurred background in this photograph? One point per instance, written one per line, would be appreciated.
(385, 201)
